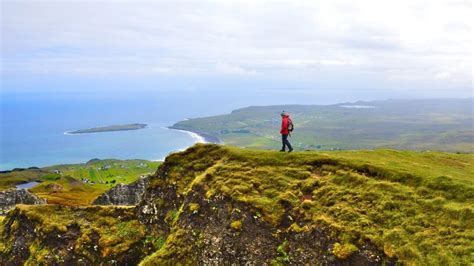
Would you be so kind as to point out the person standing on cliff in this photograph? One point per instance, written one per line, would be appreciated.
(286, 128)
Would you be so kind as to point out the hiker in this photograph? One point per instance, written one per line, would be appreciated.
(286, 128)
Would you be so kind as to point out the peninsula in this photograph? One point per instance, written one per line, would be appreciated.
(109, 128)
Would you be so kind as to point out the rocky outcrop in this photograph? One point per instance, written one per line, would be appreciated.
(66, 235)
(123, 194)
(220, 231)
(9, 198)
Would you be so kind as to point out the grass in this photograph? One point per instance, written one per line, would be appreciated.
(68, 191)
(416, 206)
(11, 179)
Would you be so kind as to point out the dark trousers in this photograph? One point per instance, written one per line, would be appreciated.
(285, 142)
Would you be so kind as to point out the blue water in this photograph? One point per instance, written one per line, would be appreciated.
(32, 129)
(27, 185)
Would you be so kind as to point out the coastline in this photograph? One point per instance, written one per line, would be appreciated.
(205, 137)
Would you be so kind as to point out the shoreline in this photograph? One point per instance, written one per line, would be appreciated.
(206, 138)
(200, 137)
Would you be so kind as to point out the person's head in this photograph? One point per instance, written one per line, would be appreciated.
(283, 114)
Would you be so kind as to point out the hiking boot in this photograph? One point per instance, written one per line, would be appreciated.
(282, 150)
(290, 150)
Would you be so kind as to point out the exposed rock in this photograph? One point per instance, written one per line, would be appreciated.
(123, 194)
(9, 198)
(72, 236)
(206, 236)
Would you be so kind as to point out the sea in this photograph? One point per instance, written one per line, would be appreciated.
(34, 128)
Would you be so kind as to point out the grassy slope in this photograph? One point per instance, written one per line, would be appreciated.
(73, 191)
(9, 180)
(416, 206)
(400, 124)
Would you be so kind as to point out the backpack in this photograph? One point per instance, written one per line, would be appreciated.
(290, 125)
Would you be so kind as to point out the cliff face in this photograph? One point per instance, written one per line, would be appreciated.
(221, 231)
(123, 194)
(9, 198)
(60, 235)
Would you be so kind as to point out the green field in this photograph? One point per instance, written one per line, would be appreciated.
(79, 184)
(443, 124)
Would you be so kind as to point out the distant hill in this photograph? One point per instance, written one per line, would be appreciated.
(77, 184)
(431, 124)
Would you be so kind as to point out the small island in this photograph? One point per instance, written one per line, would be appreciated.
(109, 128)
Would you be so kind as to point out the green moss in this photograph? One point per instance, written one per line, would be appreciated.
(118, 237)
(236, 225)
(176, 250)
(15, 225)
(294, 227)
(156, 242)
(98, 233)
(3, 248)
(282, 250)
(194, 207)
(343, 251)
(171, 216)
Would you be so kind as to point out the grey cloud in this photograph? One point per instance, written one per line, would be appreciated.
(288, 40)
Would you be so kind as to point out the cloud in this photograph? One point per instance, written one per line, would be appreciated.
(234, 70)
(377, 41)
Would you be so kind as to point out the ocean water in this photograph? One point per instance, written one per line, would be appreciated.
(33, 130)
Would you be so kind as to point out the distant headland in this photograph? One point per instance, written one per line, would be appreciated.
(135, 126)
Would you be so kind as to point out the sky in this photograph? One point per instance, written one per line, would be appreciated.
(363, 49)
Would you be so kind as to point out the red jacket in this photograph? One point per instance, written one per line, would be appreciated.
(285, 121)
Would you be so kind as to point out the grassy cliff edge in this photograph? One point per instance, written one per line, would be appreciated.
(417, 207)
(214, 203)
